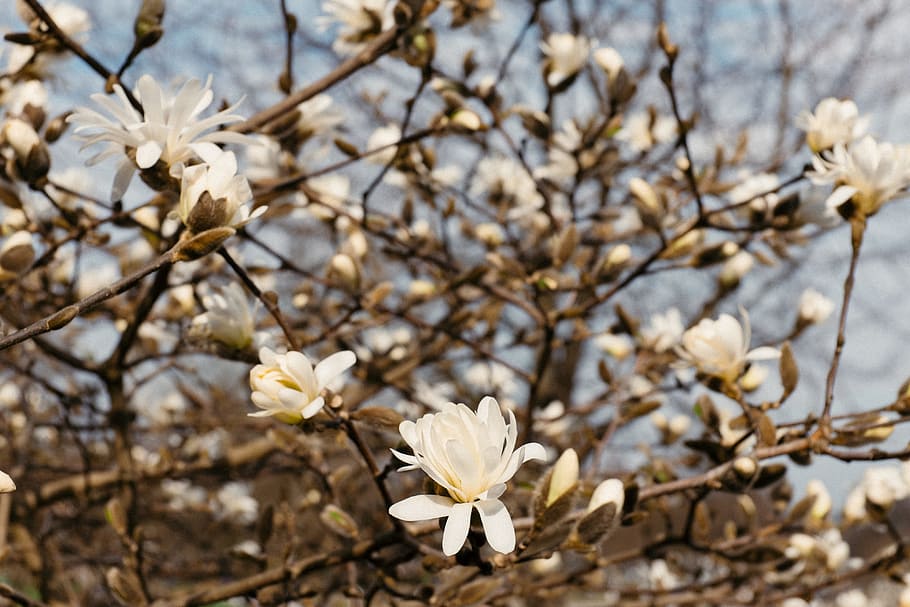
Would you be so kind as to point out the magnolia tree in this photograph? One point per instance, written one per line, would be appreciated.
(472, 335)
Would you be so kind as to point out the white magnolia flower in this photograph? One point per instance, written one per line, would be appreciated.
(617, 346)
(735, 268)
(228, 317)
(834, 121)
(181, 494)
(380, 138)
(752, 189)
(868, 172)
(664, 331)
(235, 504)
(21, 137)
(610, 61)
(359, 20)
(318, 116)
(29, 92)
(169, 129)
(213, 195)
(6, 483)
(642, 132)
(720, 348)
(507, 180)
(814, 308)
(566, 56)
(72, 20)
(288, 387)
(472, 456)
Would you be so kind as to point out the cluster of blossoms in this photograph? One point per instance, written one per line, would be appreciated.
(174, 148)
(867, 173)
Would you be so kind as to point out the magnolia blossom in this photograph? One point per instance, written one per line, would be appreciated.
(228, 317)
(867, 172)
(566, 56)
(214, 195)
(288, 387)
(814, 308)
(72, 20)
(720, 348)
(610, 61)
(505, 179)
(642, 132)
(472, 456)
(168, 129)
(752, 190)
(834, 121)
(664, 331)
(234, 503)
(6, 483)
(360, 21)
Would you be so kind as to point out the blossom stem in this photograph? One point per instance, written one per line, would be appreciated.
(857, 231)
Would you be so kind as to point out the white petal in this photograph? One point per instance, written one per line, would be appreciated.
(6, 483)
(148, 154)
(839, 196)
(313, 408)
(333, 366)
(497, 525)
(522, 454)
(763, 353)
(456, 530)
(299, 367)
(422, 508)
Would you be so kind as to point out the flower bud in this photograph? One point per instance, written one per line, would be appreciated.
(491, 234)
(609, 491)
(610, 61)
(564, 476)
(617, 346)
(735, 268)
(21, 137)
(814, 308)
(647, 200)
(17, 253)
(345, 269)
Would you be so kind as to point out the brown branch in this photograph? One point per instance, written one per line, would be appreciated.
(379, 46)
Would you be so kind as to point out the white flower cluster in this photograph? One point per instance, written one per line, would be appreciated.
(866, 172)
(173, 147)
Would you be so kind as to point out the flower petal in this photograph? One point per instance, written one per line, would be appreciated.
(333, 366)
(497, 525)
(456, 530)
(422, 508)
(314, 407)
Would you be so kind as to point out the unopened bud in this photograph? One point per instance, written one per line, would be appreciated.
(610, 61)
(17, 253)
(147, 27)
(609, 491)
(467, 120)
(745, 467)
(491, 234)
(345, 269)
(648, 202)
(753, 378)
(564, 476)
(735, 269)
(20, 136)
